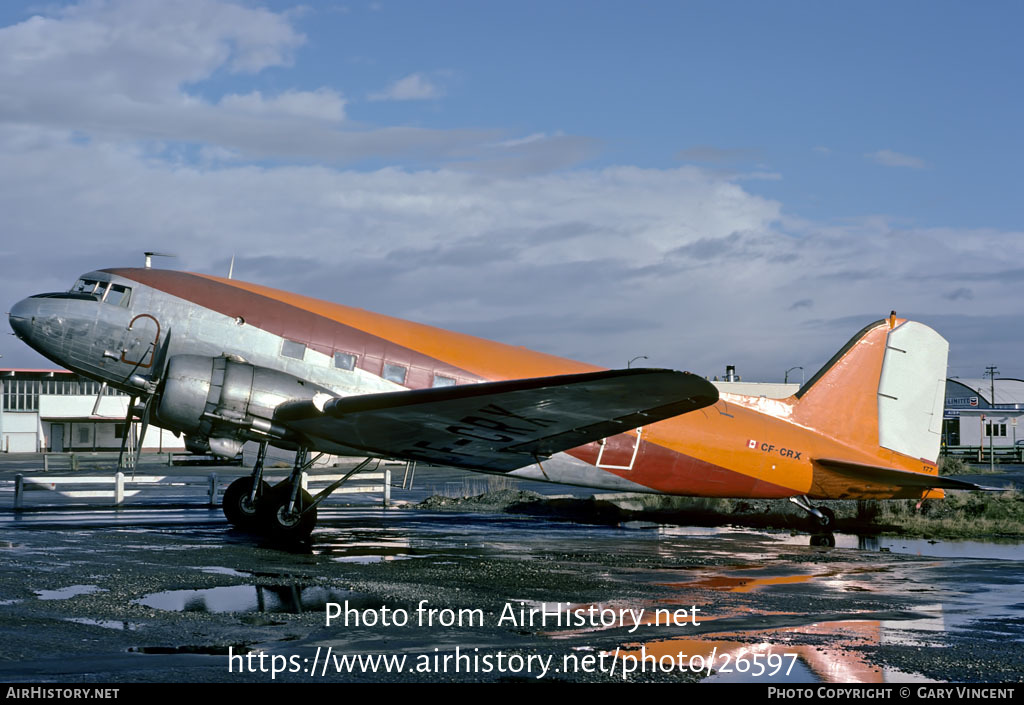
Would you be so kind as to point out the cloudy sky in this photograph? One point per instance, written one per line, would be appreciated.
(705, 183)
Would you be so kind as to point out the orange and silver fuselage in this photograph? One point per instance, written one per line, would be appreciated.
(743, 447)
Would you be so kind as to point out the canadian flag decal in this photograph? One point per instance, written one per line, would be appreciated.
(751, 444)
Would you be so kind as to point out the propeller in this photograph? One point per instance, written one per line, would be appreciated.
(151, 255)
(151, 387)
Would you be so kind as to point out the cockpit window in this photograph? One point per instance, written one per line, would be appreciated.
(118, 295)
(103, 291)
(85, 286)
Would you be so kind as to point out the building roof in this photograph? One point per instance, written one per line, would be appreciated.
(1008, 389)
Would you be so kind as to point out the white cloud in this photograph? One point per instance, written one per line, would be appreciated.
(682, 265)
(887, 157)
(109, 149)
(322, 104)
(128, 70)
(415, 86)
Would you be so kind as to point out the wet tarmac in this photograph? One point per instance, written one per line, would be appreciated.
(169, 594)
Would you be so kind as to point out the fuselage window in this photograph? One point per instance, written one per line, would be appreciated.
(394, 373)
(289, 348)
(344, 361)
(442, 381)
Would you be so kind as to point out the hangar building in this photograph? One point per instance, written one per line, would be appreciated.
(52, 410)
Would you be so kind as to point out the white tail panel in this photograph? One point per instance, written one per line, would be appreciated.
(911, 391)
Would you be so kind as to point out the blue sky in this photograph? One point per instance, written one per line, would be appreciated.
(706, 183)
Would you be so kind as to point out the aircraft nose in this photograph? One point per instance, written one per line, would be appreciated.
(20, 317)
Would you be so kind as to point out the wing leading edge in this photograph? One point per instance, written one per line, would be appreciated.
(498, 426)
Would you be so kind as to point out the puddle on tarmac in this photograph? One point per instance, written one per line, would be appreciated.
(1012, 550)
(68, 592)
(220, 570)
(999, 550)
(779, 656)
(291, 599)
(105, 623)
(199, 650)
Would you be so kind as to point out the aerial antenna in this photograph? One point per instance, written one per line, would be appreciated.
(151, 255)
(231, 269)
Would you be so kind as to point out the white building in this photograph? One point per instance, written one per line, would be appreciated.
(52, 410)
(973, 417)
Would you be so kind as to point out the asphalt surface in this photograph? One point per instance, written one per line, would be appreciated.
(172, 593)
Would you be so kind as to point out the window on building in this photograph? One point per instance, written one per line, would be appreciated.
(289, 348)
(442, 381)
(995, 430)
(21, 394)
(83, 434)
(394, 373)
(344, 361)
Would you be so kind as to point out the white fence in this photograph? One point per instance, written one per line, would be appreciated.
(119, 487)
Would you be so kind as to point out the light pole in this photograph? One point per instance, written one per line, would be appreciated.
(785, 377)
(638, 357)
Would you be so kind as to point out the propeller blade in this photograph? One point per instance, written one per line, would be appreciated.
(126, 428)
(99, 398)
(142, 432)
(160, 363)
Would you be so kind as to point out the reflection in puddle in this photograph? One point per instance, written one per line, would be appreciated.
(1009, 549)
(292, 599)
(756, 656)
(68, 592)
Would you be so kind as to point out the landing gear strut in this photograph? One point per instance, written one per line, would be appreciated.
(242, 497)
(287, 511)
(824, 518)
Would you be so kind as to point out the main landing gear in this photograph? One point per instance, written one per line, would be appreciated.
(285, 511)
(242, 496)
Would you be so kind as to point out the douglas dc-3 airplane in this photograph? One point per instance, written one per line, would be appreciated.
(223, 362)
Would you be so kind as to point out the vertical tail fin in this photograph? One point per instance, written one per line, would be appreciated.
(884, 388)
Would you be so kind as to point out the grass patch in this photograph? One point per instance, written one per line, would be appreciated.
(960, 515)
(958, 466)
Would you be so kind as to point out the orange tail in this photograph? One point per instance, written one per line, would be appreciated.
(885, 388)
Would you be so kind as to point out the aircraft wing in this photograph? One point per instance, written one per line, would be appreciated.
(497, 426)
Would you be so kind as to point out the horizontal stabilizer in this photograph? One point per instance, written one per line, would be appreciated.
(877, 474)
(499, 426)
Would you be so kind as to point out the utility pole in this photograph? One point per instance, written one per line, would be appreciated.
(991, 371)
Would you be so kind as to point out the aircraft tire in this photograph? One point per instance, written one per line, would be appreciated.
(237, 508)
(827, 540)
(281, 524)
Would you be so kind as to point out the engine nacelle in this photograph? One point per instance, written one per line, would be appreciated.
(227, 401)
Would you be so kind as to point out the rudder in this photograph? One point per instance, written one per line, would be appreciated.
(884, 388)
